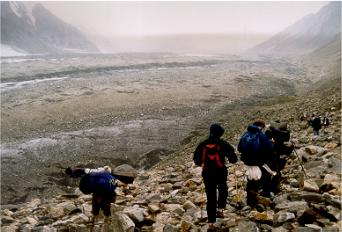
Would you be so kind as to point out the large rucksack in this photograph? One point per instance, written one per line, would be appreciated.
(250, 146)
(99, 182)
(279, 132)
(211, 156)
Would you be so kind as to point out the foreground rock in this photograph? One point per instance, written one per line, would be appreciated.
(170, 197)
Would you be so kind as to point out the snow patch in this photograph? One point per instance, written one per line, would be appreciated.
(9, 51)
(15, 85)
(22, 9)
(15, 8)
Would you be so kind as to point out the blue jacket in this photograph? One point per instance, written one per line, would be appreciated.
(263, 154)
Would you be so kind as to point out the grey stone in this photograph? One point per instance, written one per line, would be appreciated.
(135, 213)
(10, 228)
(281, 198)
(311, 186)
(6, 219)
(332, 200)
(307, 196)
(154, 198)
(292, 207)
(281, 217)
(170, 228)
(189, 205)
(304, 229)
(245, 225)
(175, 208)
(153, 208)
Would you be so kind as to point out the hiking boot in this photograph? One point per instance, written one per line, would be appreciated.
(211, 227)
(219, 214)
(266, 194)
(260, 208)
(107, 220)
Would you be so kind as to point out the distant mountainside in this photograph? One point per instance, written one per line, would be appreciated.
(31, 28)
(308, 34)
(329, 52)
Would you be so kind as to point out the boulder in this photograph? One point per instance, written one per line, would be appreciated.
(170, 228)
(121, 223)
(311, 186)
(244, 225)
(264, 217)
(332, 200)
(154, 198)
(292, 207)
(189, 205)
(125, 170)
(186, 225)
(315, 150)
(7, 219)
(153, 208)
(306, 196)
(281, 217)
(135, 213)
(331, 146)
(175, 208)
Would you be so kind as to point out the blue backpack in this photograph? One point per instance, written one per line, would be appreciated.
(250, 146)
(98, 182)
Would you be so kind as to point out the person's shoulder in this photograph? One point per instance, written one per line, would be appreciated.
(225, 143)
(202, 143)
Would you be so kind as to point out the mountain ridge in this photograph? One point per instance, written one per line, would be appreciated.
(31, 28)
(307, 34)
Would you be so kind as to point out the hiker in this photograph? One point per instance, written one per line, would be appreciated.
(256, 150)
(304, 117)
(316, 124)
(278, 133)
(210, 154)
(101, 183)
(325, 122)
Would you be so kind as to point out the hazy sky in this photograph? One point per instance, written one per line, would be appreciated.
(178, 17)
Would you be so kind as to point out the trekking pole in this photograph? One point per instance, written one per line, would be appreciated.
(236, 187)
(202, 203)
(300, 162)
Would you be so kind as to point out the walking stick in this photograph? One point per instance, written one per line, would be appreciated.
(236, 187)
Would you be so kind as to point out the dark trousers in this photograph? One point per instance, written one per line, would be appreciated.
(103, 202)
(253, 187)
(213, 181)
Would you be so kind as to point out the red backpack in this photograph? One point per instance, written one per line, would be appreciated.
(211, 157)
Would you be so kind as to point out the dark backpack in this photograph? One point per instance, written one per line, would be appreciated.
(250, 145)
(211, 156)
(99, 182)
(279, 132)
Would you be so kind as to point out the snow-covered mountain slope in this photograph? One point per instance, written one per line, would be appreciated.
(28, 27)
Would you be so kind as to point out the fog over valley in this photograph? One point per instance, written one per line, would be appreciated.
(136, 86)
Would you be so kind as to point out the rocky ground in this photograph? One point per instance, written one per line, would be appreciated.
(169, 197)
(122, 108)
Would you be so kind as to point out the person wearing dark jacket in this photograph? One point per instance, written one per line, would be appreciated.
(102, 197)
(211, 154)
(255, 155)
(281, 151)
(316, 124)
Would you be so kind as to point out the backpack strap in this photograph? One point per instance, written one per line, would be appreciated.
(216, 157)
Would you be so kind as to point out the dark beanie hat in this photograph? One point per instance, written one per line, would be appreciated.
(216, 130)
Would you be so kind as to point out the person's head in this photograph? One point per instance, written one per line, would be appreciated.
(260, 123)
(69, 171)
(216, 130)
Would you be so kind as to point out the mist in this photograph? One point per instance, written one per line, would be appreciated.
(214, 27)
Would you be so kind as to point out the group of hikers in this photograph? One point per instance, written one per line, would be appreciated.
(316, 122)
(263, 152)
